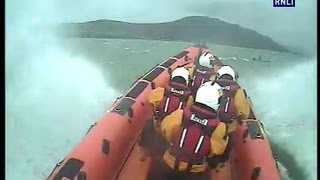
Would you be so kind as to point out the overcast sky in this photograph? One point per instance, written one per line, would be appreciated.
(288, 26)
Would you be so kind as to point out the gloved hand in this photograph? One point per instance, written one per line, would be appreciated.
(238, 118)
(214, 161)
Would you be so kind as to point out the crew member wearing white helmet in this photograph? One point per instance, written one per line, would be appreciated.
(234, 104)
(165, 100)
(195, 134)
(204, 70)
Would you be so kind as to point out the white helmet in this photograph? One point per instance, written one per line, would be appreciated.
(206, 60)
(182, 72)
(226, 70)
(209, 95)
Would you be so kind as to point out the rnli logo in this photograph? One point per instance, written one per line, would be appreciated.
(226, 88)
(177, 91)
(283, 3)
(199, 120)
(201, 71)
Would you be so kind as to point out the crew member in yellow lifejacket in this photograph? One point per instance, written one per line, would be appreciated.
(165, 100)
(204, 70)
(195, 134)
(234, 104)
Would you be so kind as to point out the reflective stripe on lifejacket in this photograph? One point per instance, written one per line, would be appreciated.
(202, 81)
(199, 144)
(227, 105)
(194, 77)
(183, 137)
(167, 104)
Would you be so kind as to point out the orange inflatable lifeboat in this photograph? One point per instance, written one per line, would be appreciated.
(110, 151)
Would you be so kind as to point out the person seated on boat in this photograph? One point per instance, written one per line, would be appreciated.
(194, 133)
(165, 100)
(204, 70)
(234, 105)
(176, 95)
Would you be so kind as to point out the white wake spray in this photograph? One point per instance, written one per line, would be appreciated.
(52, 98)
(286, 103)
